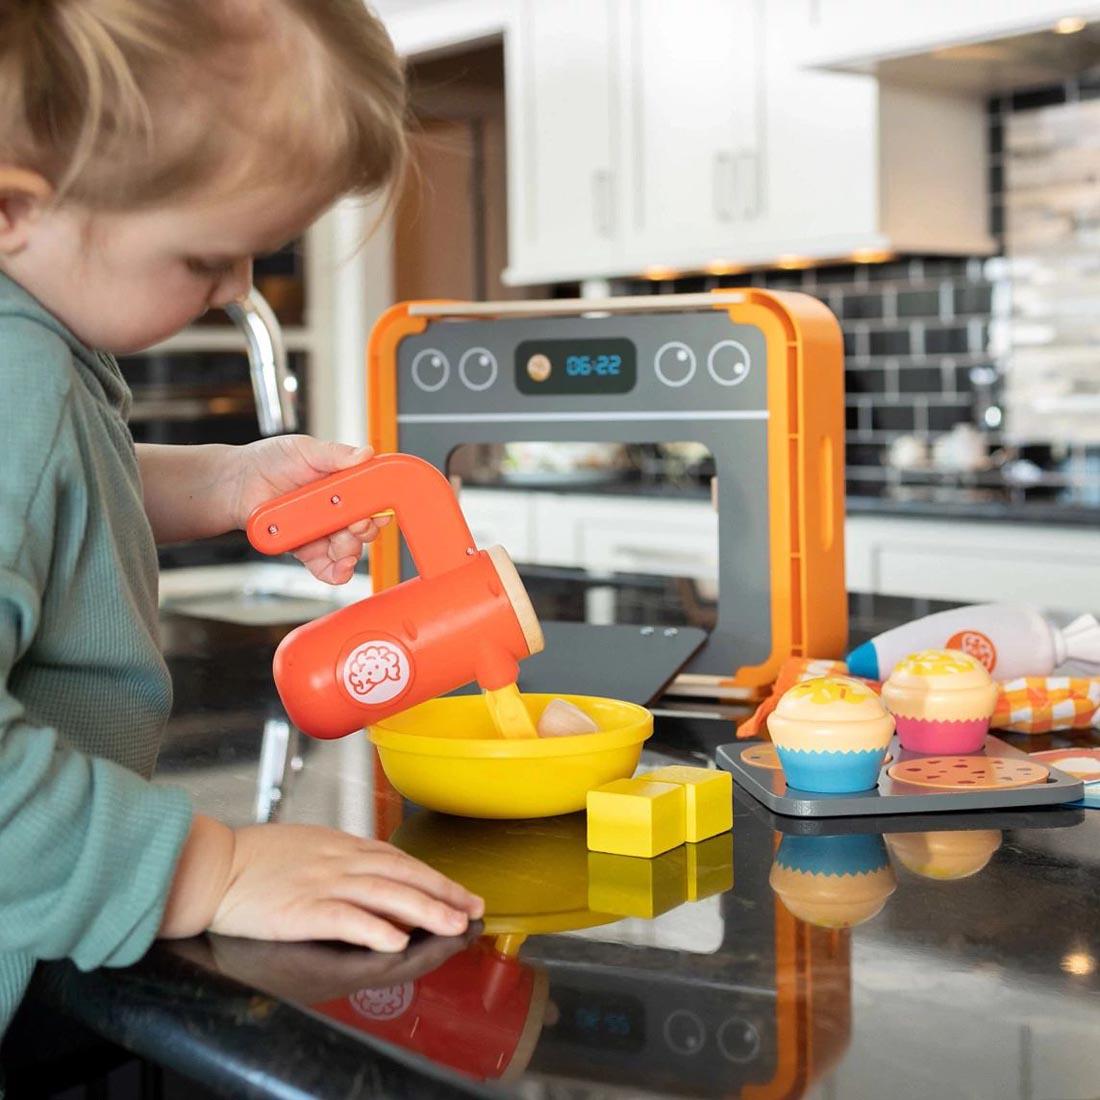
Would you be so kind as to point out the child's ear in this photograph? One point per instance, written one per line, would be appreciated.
(23, 196)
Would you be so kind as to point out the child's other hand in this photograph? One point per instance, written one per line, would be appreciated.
(270, 467)
(306, 882)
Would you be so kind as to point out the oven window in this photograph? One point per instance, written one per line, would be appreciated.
(601, 532)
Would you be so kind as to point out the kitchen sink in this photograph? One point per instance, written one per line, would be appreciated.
(261, 594)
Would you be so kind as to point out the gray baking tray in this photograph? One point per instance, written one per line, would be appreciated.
(890, 797)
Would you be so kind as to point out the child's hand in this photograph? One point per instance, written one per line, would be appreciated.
(306, 882)
(270, 467)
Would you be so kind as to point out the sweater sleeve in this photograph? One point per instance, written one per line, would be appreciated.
(87, 848)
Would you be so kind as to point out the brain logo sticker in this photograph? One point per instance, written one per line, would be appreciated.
(376, 672)
(383, 1004)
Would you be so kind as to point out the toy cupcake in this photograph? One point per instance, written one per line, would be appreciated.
(833, 881)
(831, 735)
(942, 700)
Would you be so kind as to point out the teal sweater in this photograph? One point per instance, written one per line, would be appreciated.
(87, 845)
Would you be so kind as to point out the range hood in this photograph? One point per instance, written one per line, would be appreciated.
(984, 67)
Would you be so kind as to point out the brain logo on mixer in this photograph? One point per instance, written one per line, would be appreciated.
(977, 645)
(376, 672)
(383, 1004)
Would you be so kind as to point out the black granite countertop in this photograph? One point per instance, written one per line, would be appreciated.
(926, 502)
(970, 971)
(1046, 513)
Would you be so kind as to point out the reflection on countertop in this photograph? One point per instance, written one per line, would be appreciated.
(793, 958)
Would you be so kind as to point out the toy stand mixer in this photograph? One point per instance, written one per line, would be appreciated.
(465, 617)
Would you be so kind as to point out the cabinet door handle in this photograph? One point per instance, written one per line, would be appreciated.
(601, 202)
(749, 189)
(723, 182)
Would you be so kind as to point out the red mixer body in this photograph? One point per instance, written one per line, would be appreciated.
(465, 617)
(472, 1014)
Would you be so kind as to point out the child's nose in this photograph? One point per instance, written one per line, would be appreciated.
(234, 285)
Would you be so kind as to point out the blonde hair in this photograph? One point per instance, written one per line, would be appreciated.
(125, 103)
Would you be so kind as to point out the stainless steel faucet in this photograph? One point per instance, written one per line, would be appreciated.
(276, 389)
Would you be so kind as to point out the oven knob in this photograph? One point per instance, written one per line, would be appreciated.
(738, 1040)
(674, 363)
(729, 363)
(430, 370)
(685, 1032)
(478, 369)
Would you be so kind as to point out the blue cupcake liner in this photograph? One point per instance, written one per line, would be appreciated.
(858, 854)
(831, 772)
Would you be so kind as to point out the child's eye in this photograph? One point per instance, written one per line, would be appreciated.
(209, 268)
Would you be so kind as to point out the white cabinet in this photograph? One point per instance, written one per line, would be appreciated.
(562, 85)
(850, 30)
(645, 134)
(1051, 567)
(692, 136)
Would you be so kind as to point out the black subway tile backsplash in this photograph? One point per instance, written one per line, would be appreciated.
(920, 380)
(946, 341)
(912, 328)
(870, 380)
(973, 299)
(861, 307)
(893, 418)
(942, 418)
(918, 303)
(890, 342)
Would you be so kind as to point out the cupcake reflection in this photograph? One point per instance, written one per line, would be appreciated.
(945, 855)
(833, 881)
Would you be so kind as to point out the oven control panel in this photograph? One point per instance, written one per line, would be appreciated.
(664, 363)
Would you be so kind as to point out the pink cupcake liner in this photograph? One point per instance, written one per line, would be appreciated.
(925, 735)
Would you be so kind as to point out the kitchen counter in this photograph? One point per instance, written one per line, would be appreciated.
(1046, 513)
(602, 978)
(929, 501)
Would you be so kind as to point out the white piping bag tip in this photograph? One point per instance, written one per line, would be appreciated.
(1081, 640)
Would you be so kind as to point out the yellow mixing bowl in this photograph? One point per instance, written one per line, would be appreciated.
(446, 755)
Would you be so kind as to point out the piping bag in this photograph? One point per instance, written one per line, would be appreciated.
(1011, 640)
(1018, 646)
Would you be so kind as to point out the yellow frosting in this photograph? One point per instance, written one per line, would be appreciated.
(833, 698)
(942, 685)
(831, 714)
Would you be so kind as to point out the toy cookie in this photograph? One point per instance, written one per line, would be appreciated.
(942, 700)
(831, 735)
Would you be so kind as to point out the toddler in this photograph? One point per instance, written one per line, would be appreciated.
(148, 150)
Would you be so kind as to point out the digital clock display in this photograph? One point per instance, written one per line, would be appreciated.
(576, 366)
(615, 1022)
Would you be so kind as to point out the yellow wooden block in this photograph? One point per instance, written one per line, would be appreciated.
(636, 817)
(709, 867)
(708, 796)
(626, 886)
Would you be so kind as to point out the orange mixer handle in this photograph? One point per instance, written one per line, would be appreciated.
(422, 499)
